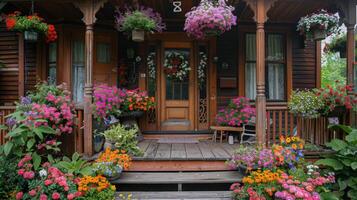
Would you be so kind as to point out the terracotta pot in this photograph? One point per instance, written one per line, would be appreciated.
(30, 36)
(319, 34)
(138, 35)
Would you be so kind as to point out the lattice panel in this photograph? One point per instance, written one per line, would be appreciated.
(151, 116)
(203, 111)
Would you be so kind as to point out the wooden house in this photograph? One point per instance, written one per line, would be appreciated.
(263, 58)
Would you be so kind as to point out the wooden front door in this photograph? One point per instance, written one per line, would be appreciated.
(178, 96)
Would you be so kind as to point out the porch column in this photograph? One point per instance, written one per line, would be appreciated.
(260, 102)
(89, 8)
(350, 53)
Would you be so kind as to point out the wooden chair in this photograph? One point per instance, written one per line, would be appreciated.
(222, 131)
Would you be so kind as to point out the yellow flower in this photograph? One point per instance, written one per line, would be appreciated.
(288, 140)
(294, 146)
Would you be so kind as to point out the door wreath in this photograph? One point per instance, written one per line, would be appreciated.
(176, 66)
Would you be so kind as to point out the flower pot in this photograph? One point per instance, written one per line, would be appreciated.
(98, 143)
(113, 178)
(130, 120)
(30, 36)
(319, 34)
(212, 32)
(138, 35)
(243, 169)
(109, 144)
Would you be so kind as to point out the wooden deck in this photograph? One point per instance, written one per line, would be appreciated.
(196, 195)
(202, 151)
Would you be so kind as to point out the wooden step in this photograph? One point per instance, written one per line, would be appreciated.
(207, 195)
(179, 177)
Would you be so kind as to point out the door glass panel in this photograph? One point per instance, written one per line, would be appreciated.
(176, 68)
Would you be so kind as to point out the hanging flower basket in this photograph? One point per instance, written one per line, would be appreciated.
(31, 25)
(318, 26)
(176, 66)
(136, 22)
(210, 18)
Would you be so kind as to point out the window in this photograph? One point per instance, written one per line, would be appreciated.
(52, 63)
(78, 73)
(275, 67)
(103, 53)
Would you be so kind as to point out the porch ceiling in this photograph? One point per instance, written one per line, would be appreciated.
(283, 11)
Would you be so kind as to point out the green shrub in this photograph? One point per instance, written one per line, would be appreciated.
(343, 162)
(137, 21)
(123, 138)
(9, 179)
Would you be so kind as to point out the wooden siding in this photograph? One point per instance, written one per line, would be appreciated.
(304, 64)
(30, 65)
(9, 72)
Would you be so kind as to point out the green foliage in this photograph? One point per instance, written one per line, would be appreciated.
(42, 89)
(344, 162)
(333, 68)
(9, 179)
(27, 23)
(124, 138)
(305, 103)
(137, 21)
(93, 194)
(75, 165)
(338, 44)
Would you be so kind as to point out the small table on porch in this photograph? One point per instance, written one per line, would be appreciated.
(222, 130)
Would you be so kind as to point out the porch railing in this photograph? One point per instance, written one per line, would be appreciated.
(73, 142)
(315, 131)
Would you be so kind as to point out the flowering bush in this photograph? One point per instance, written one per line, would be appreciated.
(237, 113)
(39, 119)
(17, 22)
(47, 183)
(176, 66)
(107, 101)
(136, 100)
(96, 188)
(336, 97)
(209, 18)
(321, 20)
(305, 104)
(112, 101)
(116, 157)
(143, 18)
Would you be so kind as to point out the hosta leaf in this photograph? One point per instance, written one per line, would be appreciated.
(342, 184)
(8, 147)
(337, 145)
(330, 162)
(329, 196)
(352, 137)
(354, 165)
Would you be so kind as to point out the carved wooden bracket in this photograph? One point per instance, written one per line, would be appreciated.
(89, 8)
(255, 5)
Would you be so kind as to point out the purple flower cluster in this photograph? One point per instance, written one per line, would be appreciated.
(237, 113)
(107, 100)
(149, 12)
(209, 17)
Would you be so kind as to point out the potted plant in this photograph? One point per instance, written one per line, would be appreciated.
(237, 113)
(338, 44)
(30, 25)
(138, 21)
(122, 138)
(336, 100)
(318, 25)
(305, 104)
(209, 18)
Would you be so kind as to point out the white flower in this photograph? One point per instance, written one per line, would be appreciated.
(43, 173)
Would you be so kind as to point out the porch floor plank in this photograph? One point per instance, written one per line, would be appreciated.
(151, 150)
(143, 145)
(163, 151)
(193, 152)
(178, 151)
(206, 151)
(197, 195)
(218, 151)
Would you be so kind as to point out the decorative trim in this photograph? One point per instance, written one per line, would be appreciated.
(253, 4)
(89, 8)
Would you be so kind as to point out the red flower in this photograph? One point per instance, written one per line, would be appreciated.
(10, 23)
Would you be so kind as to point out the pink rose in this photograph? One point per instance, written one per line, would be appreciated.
(19, 195)
(70, 196)
(32, 193)
(56, 195)
(43, 197)
(21, 172)
(48, 182)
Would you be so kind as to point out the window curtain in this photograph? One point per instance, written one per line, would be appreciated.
(78, 71)
(276, 78)
(52, 63)
(103, 53)
(250, 66)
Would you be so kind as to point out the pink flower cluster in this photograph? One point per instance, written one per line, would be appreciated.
(107, 100)
(237, 113)
(295, 189)
(25, 167)
(58, 113)
(210, 17)
(51, 184)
